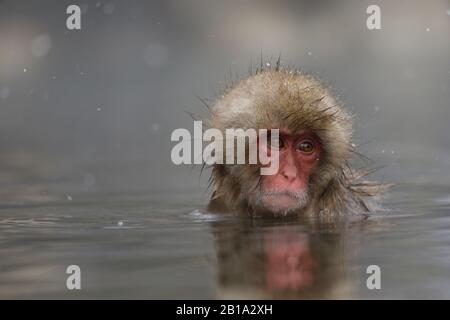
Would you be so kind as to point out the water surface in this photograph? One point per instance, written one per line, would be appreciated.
(160, 246)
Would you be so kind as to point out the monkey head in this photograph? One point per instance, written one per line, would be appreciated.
(315, 134)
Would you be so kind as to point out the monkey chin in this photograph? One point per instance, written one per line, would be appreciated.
(283, 202)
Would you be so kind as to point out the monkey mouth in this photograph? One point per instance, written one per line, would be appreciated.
(283, 200)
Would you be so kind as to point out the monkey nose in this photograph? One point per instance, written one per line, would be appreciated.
(289, 175)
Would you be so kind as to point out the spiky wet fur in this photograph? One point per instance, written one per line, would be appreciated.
(280, 98)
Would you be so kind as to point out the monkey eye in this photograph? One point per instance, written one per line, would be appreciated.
(306, 146)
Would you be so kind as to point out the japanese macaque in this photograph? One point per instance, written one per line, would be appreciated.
(314, 176)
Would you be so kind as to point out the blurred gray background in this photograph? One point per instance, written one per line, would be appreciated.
(91, 111)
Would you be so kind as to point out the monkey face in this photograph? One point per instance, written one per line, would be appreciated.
(287, 189)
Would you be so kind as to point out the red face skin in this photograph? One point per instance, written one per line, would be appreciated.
(298, 158)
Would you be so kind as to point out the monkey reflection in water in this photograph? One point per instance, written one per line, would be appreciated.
(263, 258)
